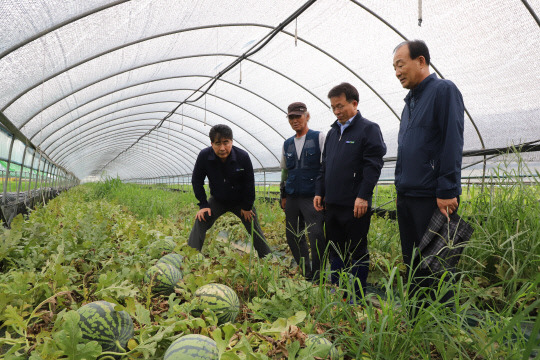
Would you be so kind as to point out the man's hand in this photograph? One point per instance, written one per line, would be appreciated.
(283, 203)
(318, 203)
(447, 206)
(200, 214)
(360, 207)
(247, 214)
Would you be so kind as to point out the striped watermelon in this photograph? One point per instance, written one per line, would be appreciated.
(323, 347)
(192, 347)
(110, 328)
(219, 298)
(156, 248)
(172, 259)
(163, 277)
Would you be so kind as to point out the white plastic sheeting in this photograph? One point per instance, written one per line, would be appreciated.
(84, 80)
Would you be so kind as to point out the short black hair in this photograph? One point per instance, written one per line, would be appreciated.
(416, 48)
(347, 89)
(220, 131)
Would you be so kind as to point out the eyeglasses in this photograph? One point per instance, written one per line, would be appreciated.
(338, 107)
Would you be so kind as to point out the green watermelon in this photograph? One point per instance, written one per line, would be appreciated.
(322, 346)
(156, 248)
(110, 328)
(219, 298)
(172, 259)
(192, 347)
(163, 277)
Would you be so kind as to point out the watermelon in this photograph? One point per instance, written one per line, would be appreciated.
(163, 277)
(192, 347)
(219, 298)
(110, 328)
(322, 346)
(159, 246)
(172, 259)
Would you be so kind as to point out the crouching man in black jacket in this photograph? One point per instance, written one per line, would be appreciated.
(351, 166)
(232, 188)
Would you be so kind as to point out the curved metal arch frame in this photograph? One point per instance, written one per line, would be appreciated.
(139, 84)
(91, 141)
(68, 143)
(164, 91)
(96, 10)
(67, 160)
(76, 146)
(175, 162)
(98, 152)
(62, 24)
(142, 168)
(205, 135)
(218, 115)
(73, 140)
(189, 57)
(211, 27)
(134, 43)
(184, 30)
(433, 66)
(200, 132)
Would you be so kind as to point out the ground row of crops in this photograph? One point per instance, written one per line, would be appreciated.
(97, 242)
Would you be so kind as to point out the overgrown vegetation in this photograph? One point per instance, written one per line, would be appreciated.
(94, 243)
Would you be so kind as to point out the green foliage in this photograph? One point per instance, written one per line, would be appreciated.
(93, 243)
(70, 340)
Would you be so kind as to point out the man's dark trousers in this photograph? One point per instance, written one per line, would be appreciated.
(349, 250)
(299, 214)
(414, 214)
(198, 232)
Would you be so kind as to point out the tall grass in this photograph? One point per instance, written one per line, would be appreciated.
(495, 288)
(505, 249)
(145, 202)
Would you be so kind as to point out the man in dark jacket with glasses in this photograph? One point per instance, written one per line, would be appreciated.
(352, 162)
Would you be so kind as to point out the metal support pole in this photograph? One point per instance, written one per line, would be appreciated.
(21, 172)
(4, 199)
(46, 179)
(40, 175)
(267, 194)
(54, 178)
(31, 169)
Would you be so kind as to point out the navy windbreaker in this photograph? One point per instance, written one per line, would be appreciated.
(430, 141)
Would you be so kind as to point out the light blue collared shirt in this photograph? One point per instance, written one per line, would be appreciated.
(346, 125)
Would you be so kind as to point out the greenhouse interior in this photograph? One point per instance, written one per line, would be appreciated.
(106, 105)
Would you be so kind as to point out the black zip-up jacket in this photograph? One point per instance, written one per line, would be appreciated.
(352, 162)
(231, 182)
(430, 141)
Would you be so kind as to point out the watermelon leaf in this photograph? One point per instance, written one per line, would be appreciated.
(13, 318)
(223, 338)
(292, 349)
(70, 337)
(296, 318)
(142, 314)
(148, 346)
(229, 356)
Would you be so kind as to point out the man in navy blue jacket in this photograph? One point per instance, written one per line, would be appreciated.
(351, 166)
(232, 188)
(430, 146)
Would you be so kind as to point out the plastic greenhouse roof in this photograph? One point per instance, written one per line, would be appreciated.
(108, 86)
